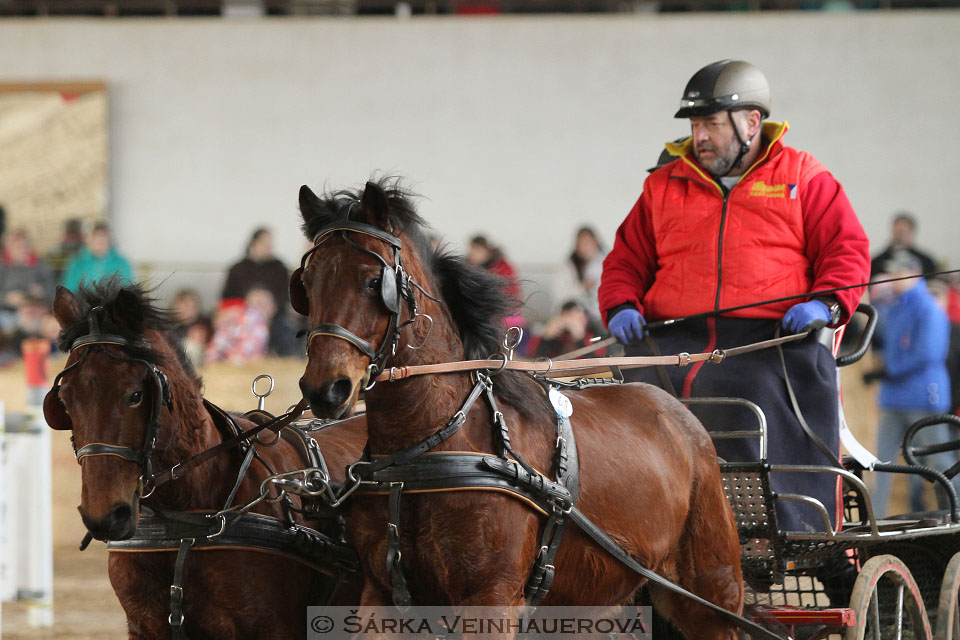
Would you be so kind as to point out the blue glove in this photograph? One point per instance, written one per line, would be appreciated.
(627, 325)
(806, 316)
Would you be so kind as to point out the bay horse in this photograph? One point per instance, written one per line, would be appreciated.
(376, 294)
(127, 390)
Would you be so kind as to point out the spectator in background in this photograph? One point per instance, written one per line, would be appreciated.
(33, 320)
(97, 260)
(903, 235)
(948, 299)
(71, 241)
(194, 330)
(567, 330)
(483, 254)
(578, 278)
(22, 275)
(914, 381)
(261, 269)
(241, 328)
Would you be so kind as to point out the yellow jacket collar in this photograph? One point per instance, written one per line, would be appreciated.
(770, 130)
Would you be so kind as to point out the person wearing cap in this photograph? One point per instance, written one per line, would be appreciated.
(735, 218)
(914, 382)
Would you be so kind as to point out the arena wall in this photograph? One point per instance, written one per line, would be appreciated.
(519, 127)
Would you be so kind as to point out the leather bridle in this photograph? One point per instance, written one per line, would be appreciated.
(57, 417)
(396, 287)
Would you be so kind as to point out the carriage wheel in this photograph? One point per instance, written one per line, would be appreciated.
(887, 603)
(948, 615)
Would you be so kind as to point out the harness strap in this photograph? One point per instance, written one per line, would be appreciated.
(430, 442)
(241, 474)
(611, 547)
(337, 331)
(101, 449)
(164, 531)
(401, 593)
(567, 464)
(176, 591)
(541, 576)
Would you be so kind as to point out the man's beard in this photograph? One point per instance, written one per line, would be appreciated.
(723, 159)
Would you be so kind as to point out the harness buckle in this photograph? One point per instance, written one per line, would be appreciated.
(178, 622)
(683, 359)
(717, 356)
(223, 527)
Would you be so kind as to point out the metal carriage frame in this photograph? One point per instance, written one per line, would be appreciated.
(893, 578)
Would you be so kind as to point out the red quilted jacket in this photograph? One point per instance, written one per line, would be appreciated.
(785, 228)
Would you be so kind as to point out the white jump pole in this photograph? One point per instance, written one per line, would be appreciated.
(35, 529)
(4, 568)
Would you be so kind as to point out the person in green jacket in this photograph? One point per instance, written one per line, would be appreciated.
(97, 260)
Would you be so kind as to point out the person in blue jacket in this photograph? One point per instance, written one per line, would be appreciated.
(914, 380)
(97, 260)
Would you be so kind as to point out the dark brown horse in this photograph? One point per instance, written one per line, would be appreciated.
(648, 470)
(124, 361)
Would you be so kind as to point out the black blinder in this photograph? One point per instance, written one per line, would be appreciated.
(388, 290)
(54, 412)
(298, 293)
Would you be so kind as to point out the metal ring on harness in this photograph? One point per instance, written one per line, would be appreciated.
(503, 365)
(549, 362)
(261, 398)
(683, 359)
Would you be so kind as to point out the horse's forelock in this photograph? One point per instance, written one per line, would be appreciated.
(322, 211)
(121, 319)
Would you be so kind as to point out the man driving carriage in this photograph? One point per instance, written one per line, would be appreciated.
(736, 218)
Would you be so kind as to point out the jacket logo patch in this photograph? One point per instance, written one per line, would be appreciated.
(761, 189)
(793, 191)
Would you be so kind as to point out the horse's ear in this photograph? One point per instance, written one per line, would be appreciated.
(127, 310)
(375, 205)
(309, 202)
(66, 308)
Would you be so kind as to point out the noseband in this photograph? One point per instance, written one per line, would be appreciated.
(56, 415)
(396, 286)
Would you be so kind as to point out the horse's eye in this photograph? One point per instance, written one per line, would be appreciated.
(135, 398)
(373, 284)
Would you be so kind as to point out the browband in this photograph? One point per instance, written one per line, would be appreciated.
(359, 227)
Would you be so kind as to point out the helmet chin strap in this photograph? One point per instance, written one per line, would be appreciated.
(744, 145)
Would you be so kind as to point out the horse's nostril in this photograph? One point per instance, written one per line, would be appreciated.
(328, 401)
(121, 514)
(337, 392)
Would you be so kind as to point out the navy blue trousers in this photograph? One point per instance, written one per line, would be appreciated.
(758, 376)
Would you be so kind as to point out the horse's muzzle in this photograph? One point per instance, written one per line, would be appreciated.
(119, 524)
(332, 400)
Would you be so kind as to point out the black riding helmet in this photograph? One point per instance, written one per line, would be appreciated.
(724, 86)
(727, 84)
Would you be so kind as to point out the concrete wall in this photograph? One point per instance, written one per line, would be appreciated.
(519, 127)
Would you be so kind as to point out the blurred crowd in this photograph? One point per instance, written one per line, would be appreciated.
(917, 344)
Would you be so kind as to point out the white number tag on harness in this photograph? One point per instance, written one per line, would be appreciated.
(561, 403)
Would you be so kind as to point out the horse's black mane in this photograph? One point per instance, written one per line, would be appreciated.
(477, 299)
(121, 318)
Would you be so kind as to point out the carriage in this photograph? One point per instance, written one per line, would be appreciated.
(906, 567)
(402, 483)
